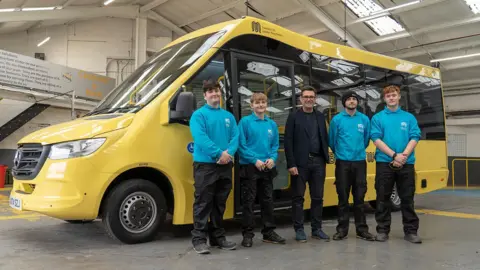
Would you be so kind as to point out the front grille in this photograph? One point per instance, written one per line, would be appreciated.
(29, 160)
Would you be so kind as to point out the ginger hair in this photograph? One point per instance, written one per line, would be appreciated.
(390, 89)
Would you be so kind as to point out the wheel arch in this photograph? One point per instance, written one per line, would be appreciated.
(147, 173)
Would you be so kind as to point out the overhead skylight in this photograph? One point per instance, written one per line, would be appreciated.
(382, 26)
(427, 81)
(342, 81)
(474, 5)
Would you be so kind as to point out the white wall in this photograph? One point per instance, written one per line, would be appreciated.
(463, 136)
(49, 116)
(87, 45)
(471, 139)
(11, 108)
(462, 103)
(464, 132)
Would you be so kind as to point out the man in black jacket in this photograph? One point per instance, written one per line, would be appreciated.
(306, 150)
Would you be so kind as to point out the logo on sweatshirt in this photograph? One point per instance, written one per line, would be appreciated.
(360, 128)
(270, 133)
(227, 122)
(403, 126)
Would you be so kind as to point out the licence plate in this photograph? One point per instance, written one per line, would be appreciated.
(16, 203)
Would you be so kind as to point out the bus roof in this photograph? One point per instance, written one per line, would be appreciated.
(251, 25)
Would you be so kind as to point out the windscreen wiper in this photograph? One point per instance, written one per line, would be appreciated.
(98, 111)
(111, 110)
(127, 108)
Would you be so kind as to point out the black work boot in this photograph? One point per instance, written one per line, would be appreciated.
(201, 248)
(413, 238)
(381, 237)
(340, 236)
(223, 243)
(247, 241)
(273, 237)
(366, 236)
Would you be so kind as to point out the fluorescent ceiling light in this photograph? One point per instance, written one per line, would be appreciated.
(7, 10)
(37, 8)
(382, 26)
(397, 7)
(454, 57)
(474, 5)
(108, 2)
(43, 42)
(385, 25)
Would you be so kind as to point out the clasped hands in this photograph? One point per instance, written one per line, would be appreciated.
(225, 158)
(400, 160)
(261, 166)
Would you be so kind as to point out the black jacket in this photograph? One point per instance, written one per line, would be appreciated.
(297, 139)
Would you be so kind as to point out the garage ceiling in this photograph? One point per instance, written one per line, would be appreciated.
(419, 31)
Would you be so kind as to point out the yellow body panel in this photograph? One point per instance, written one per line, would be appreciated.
(74, 188)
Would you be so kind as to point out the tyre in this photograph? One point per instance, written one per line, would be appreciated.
(79, 221)
(134, 211)
(394, 199)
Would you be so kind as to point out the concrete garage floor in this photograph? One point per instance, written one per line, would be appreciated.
(449, 226)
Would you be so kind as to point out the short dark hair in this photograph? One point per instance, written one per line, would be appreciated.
(308, 88)
(210, 84)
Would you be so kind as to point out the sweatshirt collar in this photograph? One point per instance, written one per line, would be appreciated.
(255, 117)
(344, 113)
(387, 110)
(210, 107)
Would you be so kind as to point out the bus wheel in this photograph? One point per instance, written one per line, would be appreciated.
(134, 211)
(394, 199)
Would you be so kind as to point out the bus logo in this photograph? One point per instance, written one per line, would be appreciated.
(370, 156)
(190, 147)
(256, 27)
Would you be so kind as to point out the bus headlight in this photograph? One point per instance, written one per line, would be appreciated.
(74, 149)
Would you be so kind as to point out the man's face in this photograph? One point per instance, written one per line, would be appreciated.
(351, 103)
(308, 99)
(259, 106)
(392, 98)
(212, 96)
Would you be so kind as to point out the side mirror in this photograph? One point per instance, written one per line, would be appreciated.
(184, 107)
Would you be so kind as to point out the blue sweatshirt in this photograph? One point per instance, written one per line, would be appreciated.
(349, 136)
(396, 129)
(214, 130)
(259, 139)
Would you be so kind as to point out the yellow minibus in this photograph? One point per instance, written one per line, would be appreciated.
(129, 160)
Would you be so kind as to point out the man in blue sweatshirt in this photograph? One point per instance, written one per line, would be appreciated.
(215, 136)
(259, 142)
(349, 136)
(395, 133)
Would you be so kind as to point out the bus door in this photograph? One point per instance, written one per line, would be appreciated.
(275, 78)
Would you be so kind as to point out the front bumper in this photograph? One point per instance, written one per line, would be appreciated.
(66, 189)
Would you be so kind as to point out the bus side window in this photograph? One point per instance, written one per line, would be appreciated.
(214, 70)
(332, 77)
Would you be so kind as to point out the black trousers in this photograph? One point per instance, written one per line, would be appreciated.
(384, 181)
(213, 183)
(257, 183)
(351, 176)
(314, 175)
